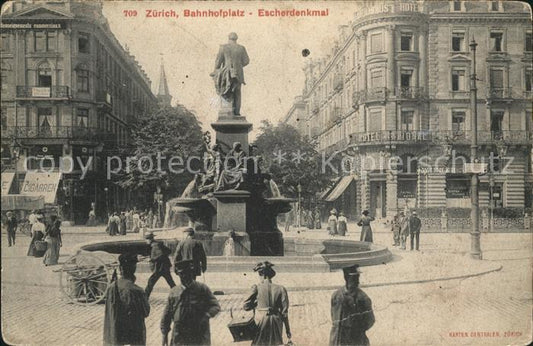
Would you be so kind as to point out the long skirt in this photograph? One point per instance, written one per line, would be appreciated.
(341, 229)
(123, 228)
(52, 251)
(113, 228)
(32, 251)
(269, 330)
(332, 226)
(366, 234)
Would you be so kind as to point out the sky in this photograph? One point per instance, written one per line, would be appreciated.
(188, 47)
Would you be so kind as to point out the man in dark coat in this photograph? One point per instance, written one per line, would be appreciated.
(189, 306)
(11, 227)
(229, 74)
(192, 249)
(126, 307)
(159, 264)
(351, 312)
(414, 229)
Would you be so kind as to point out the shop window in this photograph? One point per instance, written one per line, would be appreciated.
(458, 41)
(496, 41)
(458, 80)
(44, 116)
(376, 43)
(84, 43)
(406, 42)
(457, 186)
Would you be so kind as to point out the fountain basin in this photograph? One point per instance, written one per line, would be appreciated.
(301, 254)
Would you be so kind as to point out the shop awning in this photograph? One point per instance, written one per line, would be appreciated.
(342, 185)
(41, 184)
(7, 179)
(20, 202)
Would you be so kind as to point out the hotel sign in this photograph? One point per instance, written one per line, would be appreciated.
(40, 92)
(389, 7)
(392, 136)
(29, 26)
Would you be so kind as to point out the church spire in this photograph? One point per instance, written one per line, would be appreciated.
(163, 95)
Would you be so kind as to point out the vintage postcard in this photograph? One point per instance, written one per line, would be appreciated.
(266, 172)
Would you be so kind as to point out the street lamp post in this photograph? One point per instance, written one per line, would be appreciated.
(106, 189)
(475, 246)
(299, 205)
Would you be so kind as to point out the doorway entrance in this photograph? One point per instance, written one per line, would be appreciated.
(378, 199)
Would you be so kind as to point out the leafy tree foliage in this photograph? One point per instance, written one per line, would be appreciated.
(292, 159)
(156, 138)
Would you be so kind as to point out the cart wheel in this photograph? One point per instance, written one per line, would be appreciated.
(84, 278)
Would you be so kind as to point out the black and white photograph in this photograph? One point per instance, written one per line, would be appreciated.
(266, 172)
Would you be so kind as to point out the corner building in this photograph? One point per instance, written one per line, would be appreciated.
(69, 89)
(397, 84)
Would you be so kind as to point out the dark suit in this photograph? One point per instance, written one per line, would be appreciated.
(233, 57)
(191, 249)
(160, 266)
(414, 229)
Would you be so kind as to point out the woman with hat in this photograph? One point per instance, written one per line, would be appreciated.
(366, 230)
(271, 302)
(53, 241)
(342, 224)
(37, 234)
(332, 222)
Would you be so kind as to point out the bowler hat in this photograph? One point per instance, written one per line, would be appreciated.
(353, 270)
(181, 266)
(127, 259)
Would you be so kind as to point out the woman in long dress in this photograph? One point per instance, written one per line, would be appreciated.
(271, 303)
(342, 224)
(366, 229)
(53, 240)
(114, 221)
(37, 233)
(122, 227)
(332, 222)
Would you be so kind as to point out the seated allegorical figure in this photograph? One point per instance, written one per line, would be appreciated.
(234, 168)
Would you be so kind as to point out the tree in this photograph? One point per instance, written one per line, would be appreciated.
(292, 159)
(170, 135)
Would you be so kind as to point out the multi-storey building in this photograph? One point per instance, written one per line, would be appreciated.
(69, 90)
(397, 84)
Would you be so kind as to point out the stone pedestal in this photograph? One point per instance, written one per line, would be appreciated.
(230, 129)
(231, 210)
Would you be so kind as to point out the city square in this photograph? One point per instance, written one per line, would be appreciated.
(167, 179)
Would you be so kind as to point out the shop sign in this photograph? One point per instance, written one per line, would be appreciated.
(41, 184)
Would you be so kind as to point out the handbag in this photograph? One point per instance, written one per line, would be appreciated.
(40, 245)
(242, 326)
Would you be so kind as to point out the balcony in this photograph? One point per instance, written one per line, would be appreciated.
(499, 94)
(385, 137)
(410, 93)
(57, 132)
(516, 137)
(104, 100)
(57, 92)
(375, 94)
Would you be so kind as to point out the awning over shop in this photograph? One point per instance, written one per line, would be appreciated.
(41, 184)
(19, 202)
(7, 179)
(341, 186)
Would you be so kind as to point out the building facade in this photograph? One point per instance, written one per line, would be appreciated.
(393, 98)
(69, 91)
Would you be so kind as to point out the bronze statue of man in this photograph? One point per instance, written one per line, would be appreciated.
(229, 74)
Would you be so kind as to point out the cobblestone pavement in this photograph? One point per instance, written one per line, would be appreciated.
(478, 310)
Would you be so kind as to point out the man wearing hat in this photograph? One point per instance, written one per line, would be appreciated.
(192, 249)
(159, 264)
(189, 306)
(414, 229)
(351, 312)
(126, 307)
(11, 227)
(397, 225)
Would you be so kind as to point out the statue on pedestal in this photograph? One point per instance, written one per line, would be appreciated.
(229, 74)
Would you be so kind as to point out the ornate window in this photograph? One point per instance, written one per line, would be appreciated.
(458, 41)
(458, 80)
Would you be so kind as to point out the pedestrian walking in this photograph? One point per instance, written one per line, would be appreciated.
(332, 222)
(271, 303)
(53, 241)
(192, 249)
(415, 224)
(159, 264)
(92, 218)
(37, 234)
(351, 312)
(126, 307)
(397, 228)
(404, 230)
(129, 220)
(136, 221)
(366, 229)
(342, 224)
(189, 308)
(122, 227)
(11, 227)
(113, 224)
